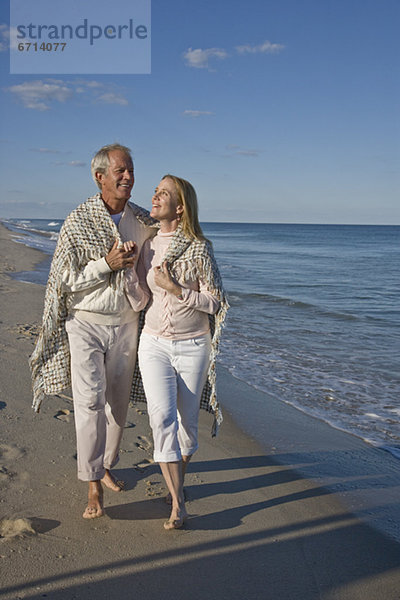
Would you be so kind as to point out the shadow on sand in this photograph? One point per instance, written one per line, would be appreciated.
(334, 556)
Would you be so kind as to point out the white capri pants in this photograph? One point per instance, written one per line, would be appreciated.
(174, 373)
(102, 362)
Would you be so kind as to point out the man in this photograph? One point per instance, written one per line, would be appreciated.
(89, 332)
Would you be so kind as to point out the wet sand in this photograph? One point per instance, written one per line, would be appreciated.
(308, 513)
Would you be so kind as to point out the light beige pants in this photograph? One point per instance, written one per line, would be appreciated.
(102, 362)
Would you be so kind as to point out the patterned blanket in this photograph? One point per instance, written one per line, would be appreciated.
(192, 259)
(88, 233)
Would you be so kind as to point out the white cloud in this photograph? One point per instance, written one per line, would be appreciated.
(82, 86)
(265, 48)
(235, 150)
(41, 94)
(197, 113)
(71, 163)
(46, 150)
(247, 152)
(199, 58)
(38, 94)
(112, 98)
(4, 37)
(92, 84)
(7, 33)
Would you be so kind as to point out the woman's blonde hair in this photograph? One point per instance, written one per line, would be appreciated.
(188, 199)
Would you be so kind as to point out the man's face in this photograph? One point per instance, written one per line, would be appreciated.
(117, 183)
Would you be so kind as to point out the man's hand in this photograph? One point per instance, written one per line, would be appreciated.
(121, 258)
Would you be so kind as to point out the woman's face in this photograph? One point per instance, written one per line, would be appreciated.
(165, 202)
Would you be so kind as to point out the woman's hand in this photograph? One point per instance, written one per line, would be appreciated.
(130, 247)
(163, 279)
(121, 258)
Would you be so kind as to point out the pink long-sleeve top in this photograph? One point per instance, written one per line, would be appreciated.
(167, 316)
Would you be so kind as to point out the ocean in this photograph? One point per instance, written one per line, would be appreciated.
(314, 318)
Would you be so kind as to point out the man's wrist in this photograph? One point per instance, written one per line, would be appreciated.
(104, 261)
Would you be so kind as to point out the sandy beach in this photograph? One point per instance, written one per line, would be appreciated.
(308, 512)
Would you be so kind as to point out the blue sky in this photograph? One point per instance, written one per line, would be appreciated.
(276, 111)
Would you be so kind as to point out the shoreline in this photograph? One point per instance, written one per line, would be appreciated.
(281, 380)
(281, 512)
(40, 273)
(365, 478)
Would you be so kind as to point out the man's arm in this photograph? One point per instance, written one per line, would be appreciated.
(97, 271)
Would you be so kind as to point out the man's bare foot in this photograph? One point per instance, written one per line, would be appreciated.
(112, 483)
(94, 508)
(176, 520)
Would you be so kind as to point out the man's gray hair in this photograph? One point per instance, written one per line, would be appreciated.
(101, 162)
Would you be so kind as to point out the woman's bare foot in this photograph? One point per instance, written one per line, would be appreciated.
(94, 508)
(176, 520)
(168, 497)
(112, 483)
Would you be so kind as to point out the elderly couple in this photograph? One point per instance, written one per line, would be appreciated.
(113, 260)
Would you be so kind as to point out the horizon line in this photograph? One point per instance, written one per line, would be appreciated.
(241, 222)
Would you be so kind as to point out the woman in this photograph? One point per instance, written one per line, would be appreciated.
(179, 280)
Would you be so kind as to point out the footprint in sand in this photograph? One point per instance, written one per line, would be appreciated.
(143, 443)
(6, 474)
(30, 330)
(195, 478)
(143, 464)
(5, 290)
(6, 267)
(63, 415)
(9, 453)
(154, 488)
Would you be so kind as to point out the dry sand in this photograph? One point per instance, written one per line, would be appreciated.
(268, 521)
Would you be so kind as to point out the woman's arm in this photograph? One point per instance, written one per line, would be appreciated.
(136, 286)
(201, 300)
